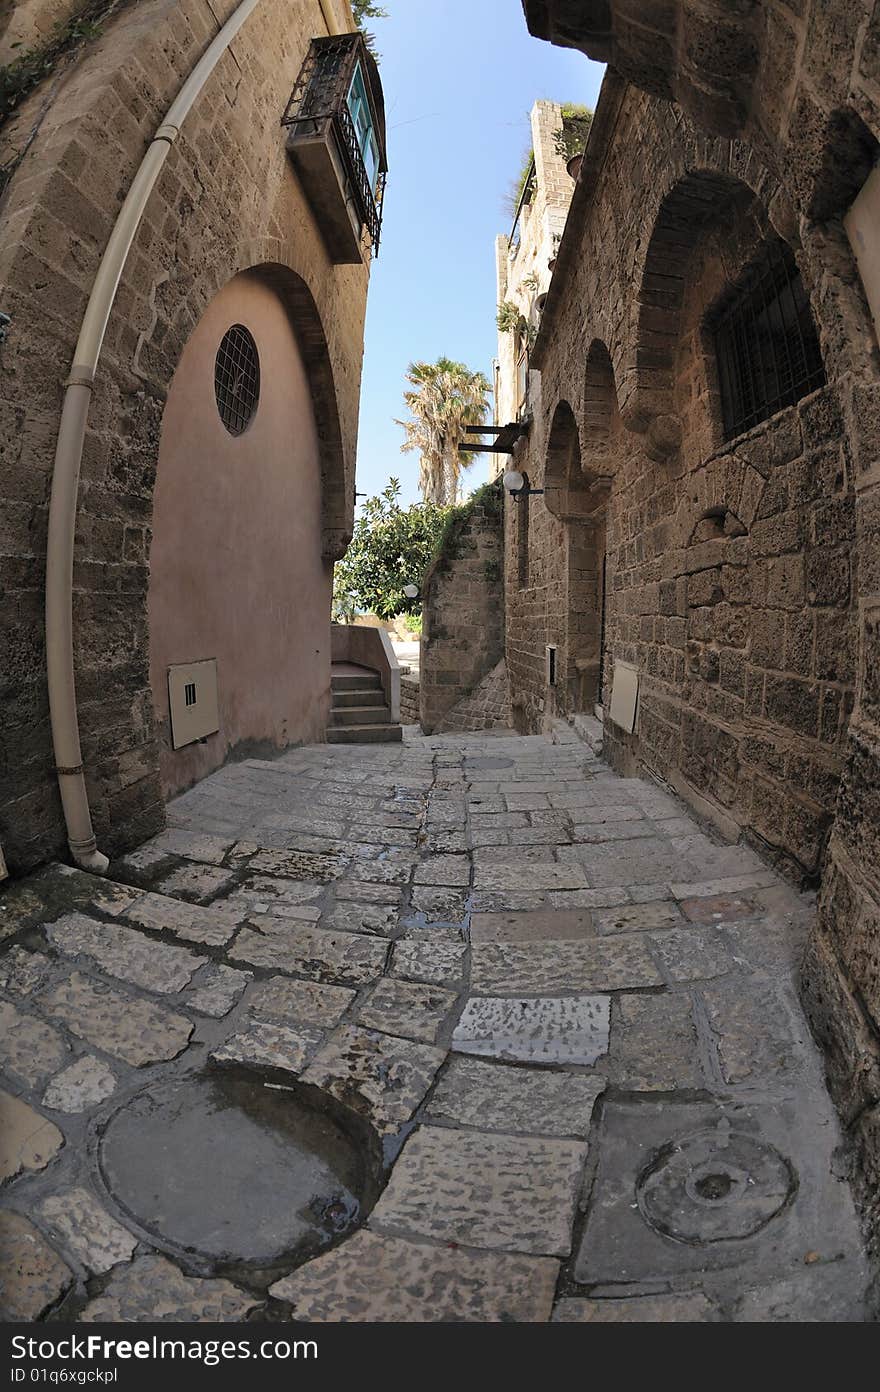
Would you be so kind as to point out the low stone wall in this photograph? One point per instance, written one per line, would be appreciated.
(409, 699)
(487, 707)
(463, 634)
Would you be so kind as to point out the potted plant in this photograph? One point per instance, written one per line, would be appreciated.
(571, 138)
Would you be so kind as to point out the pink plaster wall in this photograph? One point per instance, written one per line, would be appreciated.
(235, 568)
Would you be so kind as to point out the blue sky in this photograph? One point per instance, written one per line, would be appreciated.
(460, 77)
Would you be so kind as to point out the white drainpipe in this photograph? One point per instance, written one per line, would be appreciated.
(68, 456)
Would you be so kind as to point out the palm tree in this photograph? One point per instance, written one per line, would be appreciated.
(445, 396)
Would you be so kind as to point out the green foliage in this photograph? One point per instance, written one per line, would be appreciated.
(444, 398)
(518, 185)
(414, 623)
(508, 317)
(366, 9)
(30, 67)
(392, 546)
(571, 138)
(490, 497)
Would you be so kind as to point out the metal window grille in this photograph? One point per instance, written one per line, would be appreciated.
(766, 344)
(321, 94)
(237, 379)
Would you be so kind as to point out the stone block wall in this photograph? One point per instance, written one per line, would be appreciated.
(463, 613)
(409, 699)
(741, 575)
(487, 707)
(227, 201)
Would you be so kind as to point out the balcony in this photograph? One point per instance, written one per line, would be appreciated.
(335, 122)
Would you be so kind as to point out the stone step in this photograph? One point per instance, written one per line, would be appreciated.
(364, 734)
(356, 681)
(363, 696)
(360, 715)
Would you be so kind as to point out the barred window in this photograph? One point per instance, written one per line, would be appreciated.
(237, 379)
(766, 344)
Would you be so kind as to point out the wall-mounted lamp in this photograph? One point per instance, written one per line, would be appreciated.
(515, 484)
(411, 591)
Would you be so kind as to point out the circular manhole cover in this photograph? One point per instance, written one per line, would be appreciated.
(490, 762)
(233, 1168)
(713, 1186)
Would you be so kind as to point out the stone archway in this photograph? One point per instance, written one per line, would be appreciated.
(239, 571)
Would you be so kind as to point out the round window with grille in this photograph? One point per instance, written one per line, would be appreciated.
(237, 379)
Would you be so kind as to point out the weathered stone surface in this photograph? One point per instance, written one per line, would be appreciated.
(33, 1278)
(630, 918)
(295, 1003)
(22, 972)
(124, 1026)
(212, 926)
(479, 1190)
(75, 1220)
(273, 1046)
(407, 1008)
(198, 882)
(360, 890)
(550, 968)
(529, 1101)
(452, 870)
(760, 1034)
(81, 1086)
(28, 1141)
(283, 945)
(439, 962)
(268, 893)
(653, 1043)
(691, 955)
(151, 1288)
(717, 908)
(566, 1029)
(382, 1077)
(289, 865)
(440, 905)
(189, 844)
(649, 860)
(30, 1050)
(690, 1307)
(539, 926)
(527, 878)
(124, 953)
(349, 917)
(373, 1278)
(217, 990)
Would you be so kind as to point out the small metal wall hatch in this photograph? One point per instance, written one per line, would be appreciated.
(192, 701)
(4, 873)
(625, 696)
(551, 664)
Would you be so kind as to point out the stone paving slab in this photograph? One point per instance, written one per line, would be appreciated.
(81, 1086)
(212, 927)
(33, 1277)
(650, 859)
(270, 1046)
(289, 865)
(690, 1307)
(525, 1101)
(380, 920)
(654, 1046)
(441, 963)
(554, 968)
(152, 1288)
(377, 1278)
(408, 1009)
(381, 1077)
(531, 927)
(28, 1141)
(759, 1034)
(561, 1030)
(22, 972)
(300, 949)
(451, 870)
(196, 882)
(291, 1002)
(530, 877)
(125, 1026)
(189, 844)
(77, 1222)
(125, 953)
(362, 892)
(691, 955)
(631, 918)
(30, 1050)
(216, 990)
(479, 1190)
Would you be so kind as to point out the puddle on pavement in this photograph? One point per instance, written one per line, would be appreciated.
(237, 1169)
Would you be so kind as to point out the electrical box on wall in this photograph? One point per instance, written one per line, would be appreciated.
(625, 696)
(192, 701)
(551, 664)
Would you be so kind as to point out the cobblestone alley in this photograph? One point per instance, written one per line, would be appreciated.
(541, 1030)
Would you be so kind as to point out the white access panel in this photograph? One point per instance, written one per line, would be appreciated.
(192, 701)
(625, 696)
(862, 224)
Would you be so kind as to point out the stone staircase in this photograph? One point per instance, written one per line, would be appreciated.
(358, 713)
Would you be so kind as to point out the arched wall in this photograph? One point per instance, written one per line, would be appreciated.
(236, 570)
(227, 200)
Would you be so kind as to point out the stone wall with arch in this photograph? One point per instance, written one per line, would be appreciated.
(756, 642)
(227, 201)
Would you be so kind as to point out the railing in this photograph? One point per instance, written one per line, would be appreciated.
(320, 95)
